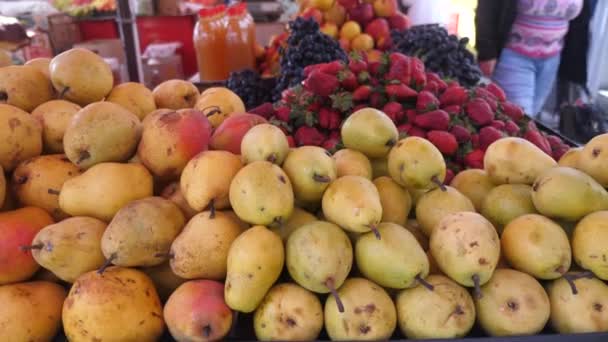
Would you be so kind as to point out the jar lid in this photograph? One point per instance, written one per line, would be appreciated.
(212, 11)
(237, 9)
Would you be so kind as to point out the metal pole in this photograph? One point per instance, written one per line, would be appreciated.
(127, 26)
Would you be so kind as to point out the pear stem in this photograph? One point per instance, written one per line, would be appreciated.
(214, 109)
(375, 231)
(390, 143)
(272, 158)
(3, 96)
(53, 192)
(424, 283)
(329, 283)
(32, 247)
(168, 255)
(106, 264)
(570, 278)
(439, 183)
(212, 208)
(477, 287)
(321, 178)
(63, 92)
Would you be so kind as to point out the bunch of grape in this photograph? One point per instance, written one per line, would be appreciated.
(441, 52)
(251, 87)
(306, 45)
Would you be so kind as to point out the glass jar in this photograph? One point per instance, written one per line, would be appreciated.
(240, 48)
(210, 44)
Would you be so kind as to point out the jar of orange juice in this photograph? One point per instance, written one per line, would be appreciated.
(210, 44)
(239, 45)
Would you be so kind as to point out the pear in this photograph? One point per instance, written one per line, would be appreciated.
(396, 201)
(589, 243)
(507, 202)
(473, 183)
(103, 189)
(436, 204)
(319, 256)
(567, 193)
(466, 248)
(414, 228)
(205, 181)
(593, 159)
(134, 97)
(369, 131)
(571, 158)
(353, 203)
(583, 311)
(21, 137)
(536, 245)
(36, 182)
(2, 187)
(255, 260)
(416, 194)
(354, 163)
(55, 117)
(515, 160)
(310, 170)
(141, 233)
(101, 132)
(165, 281)
(408, 262)
(446, 312)
(264, 142)
(512, 303)
(175, 94)
(288, 313)
(379, 167)
(370, 313)
(261, 193)
(201, 250)
(42, 64)
(120, 298)
(24, 86)
(70, 248)
(81, 76)
(416, 163)
(173, 193)
(298, 218)
(31, 311)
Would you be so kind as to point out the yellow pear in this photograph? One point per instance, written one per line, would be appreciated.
(205, 181)
(21, 137)
(175, 94)
(536, 245)
(369, 312)
(24, 87)
(141, 232)
(101, 132)
(255, 261)
(81, 76)
(353, 163)
(414, 227)
(288, 313)
(593, 160)
(2, 187)
(589, 243)
(436, 204)
(379, 167)
(512, 304)
(310, 169)
(173, 193)
(105, 188)
(507, 202)
(42, 64)
(120, 298)
(261, 193)
(396, 201)
(446, 312)
(37, 182)
(134, 97)
(55, 117)
(416, 163)
(473, 183)
(218, 103)
(165, 281)
(571, 158)
(515, 160)
(201, 250)
(298, 218)
(71, 247)
(264, 142)
(369, 131)
(30, 311)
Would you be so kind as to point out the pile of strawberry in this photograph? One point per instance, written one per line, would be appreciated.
(460, 122)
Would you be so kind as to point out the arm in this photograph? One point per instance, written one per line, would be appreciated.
(487, 40)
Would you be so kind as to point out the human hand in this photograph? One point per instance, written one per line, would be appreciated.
(487, 67)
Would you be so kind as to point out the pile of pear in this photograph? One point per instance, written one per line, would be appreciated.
(119, 223)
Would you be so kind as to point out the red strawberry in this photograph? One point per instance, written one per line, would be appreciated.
(374, 68)
(431, 86)
(474, 159)
(499, 125)
(492, 103)
(314, 107)
(539, 140)
(283, 113)
(288, 95)
(360, 106)
(475, 140)
(411, 115)
(332, 68)
(394, 110)
(452, 110)
(322, 84)
(418, 74)
(309, 136)
(480, 112)
(426, 101)
(455, 95)
(416, 131)
(357, 65)
(310, 68)
(554, 141)
(348, 80)
(330, 144)
(511, 128)
(487, 136)
(329, 119)
(513, 111)
(404, 128)
(433, 77)
(400, 91)
(560, 151)
(400, 68)
(484, 93)
(376, 100)
(444, 141)
(265, 110)
(462, 134)
(449, 175)
(437, 120)
(290, 141)
(497, 91)
(334, 134)
(362, 93)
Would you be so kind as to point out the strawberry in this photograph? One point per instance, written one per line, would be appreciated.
(400, 68)
(330, 144)
(290, 141)
(484, 93)
(416, 131)
(332, 68)
(283, 113)
(474, 159)
(449, 175)
(431, 86)
(492, 103)
(322, 84)
(334, 134)
(499, 125)
(452, 109)
(288, 95)
(433, 77)
(394, 110)
(309, 136)
(357, 65)
(444, 141)
(348, 80)
(265, 110)
(400, 91)
(511, 128)
(554, 141)
(479, 111)
(360, 106)
(426, 101)
(437, 120)
(411, 115)
(377, 100)
(539, 140)
(374, 68)
(455, 95)
(560, 151)
(310, 68)
(404, 128)
(497, 91)
(329, 119)
(487, 136)
(513, 111)
(418, 73)
(362, 93)
(475, 140)
(462, 134)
